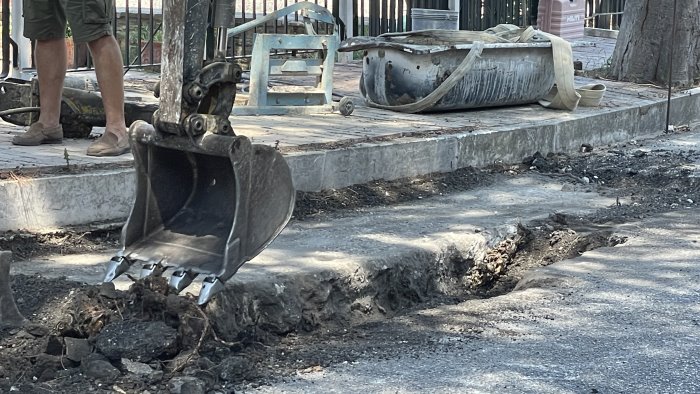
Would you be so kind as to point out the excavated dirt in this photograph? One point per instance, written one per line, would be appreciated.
(26, 245)
(95, 339)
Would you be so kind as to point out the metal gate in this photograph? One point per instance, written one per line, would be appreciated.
(137, 23)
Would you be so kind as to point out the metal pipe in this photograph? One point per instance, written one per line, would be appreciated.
(224, 18)
(20, 110)
(5, 38)
(221, 41)
(223, 13)
(670, 65)
(153, 33)
(127, 33)
(139, 39)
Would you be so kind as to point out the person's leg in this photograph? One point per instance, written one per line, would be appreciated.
(50, 58)
(45, 22)
(91, 22)
(110, 69)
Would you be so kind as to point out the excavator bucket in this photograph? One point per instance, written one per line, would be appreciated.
(204, 208)
(207, 200)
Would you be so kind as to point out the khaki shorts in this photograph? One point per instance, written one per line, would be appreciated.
(88, 19)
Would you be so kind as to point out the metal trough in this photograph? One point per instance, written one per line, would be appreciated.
(399, 73)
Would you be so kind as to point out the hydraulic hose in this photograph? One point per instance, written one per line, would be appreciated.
(20, 110)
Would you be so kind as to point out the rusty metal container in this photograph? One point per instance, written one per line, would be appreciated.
(395, 74)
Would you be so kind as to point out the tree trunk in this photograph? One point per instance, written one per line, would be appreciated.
(644, 43)
(9, 315)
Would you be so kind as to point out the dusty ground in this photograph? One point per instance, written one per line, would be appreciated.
(68, 320)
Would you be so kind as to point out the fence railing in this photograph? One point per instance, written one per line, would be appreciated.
(604, 14)
(138, 23)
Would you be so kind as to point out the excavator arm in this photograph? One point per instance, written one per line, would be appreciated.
(207, 200)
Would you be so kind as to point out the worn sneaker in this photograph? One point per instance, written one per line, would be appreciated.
(109, 145)
(37, 134)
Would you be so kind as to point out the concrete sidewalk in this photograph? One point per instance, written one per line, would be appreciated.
(41, 190)
(329, 151)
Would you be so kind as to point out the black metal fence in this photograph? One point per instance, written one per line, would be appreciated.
(483, 14)
(137, 23)
(374, 17)
(138, 29)
(5, 41)
(604, 14)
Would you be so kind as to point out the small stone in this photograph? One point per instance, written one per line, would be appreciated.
(585, 179)
(37, 330)
(137, 368)
(233, 368)
(108, 290)
(96, 366)
(77, 348)
(54, 346)
(22, 334)
(205, 363)
(186, 385)
(315, 368)
(118, 389)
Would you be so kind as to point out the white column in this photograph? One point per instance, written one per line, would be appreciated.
(346, 14)
(24, 45)
(454, 5)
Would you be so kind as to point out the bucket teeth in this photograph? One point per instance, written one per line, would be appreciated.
(152, 269)
(116, 266)
(210, 286)
(180, 279)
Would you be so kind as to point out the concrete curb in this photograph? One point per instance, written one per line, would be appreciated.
(44, 203)
(598, 32)
(315, 171)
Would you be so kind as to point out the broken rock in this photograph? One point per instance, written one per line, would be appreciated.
(140, 341)
(77, 348)
(137, 368)
(97, 367)
(37, 330)
(186, 385)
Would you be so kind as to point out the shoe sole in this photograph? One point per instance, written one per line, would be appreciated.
(109, 153)
(44, 142)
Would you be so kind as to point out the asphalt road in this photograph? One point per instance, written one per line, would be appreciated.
(615, 320)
